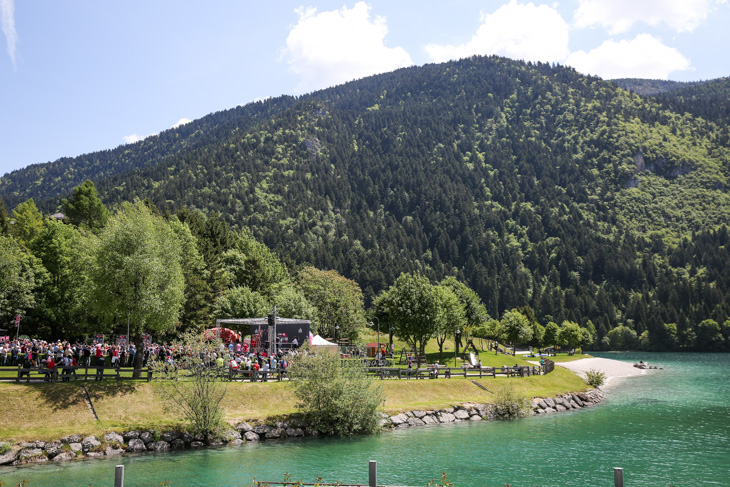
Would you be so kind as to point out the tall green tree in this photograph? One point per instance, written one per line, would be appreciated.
(572, 335)
(84, 207)
(26, 222)
(138, 274)
(338, 300)
(20, 274)
(242, 302)
(450, 316)
(515, 329)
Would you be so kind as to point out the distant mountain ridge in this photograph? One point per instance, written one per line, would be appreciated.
(534, 184)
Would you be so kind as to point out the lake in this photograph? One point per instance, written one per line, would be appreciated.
(670, 427)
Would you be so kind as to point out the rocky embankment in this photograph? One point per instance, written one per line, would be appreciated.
(115, 444)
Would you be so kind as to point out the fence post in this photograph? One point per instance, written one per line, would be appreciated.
(373, 474)
(119, 476)
(618, 477)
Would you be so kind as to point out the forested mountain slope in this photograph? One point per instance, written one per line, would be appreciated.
(536, 185)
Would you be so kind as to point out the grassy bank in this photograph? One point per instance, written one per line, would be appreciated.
(49, 411)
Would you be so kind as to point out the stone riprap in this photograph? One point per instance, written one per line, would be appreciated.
(115, 444)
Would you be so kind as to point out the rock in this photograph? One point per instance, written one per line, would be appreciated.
(281, 424)
(415, 422)
(549, 401)
(446, 418)
(159, 446)
(419, 414)
(295, 432)
(10, 456)
(30, 455)
(187, 437)
(574, 405)
(311, 432)
(53, 448)
(409, 414)
(560, 407)
(448, 410)
(197, 444)
(95, 454)
(398, 419)
(76, 447)
(461, 414)
(34, 444)
(402, 426)
(262, 429)
(146, 436)
(541, 404)
(136, 445)
(577, 400)
(236, 442)
(215, 442)
(71, 439)
(476, 417)
(168, 436)
(540, 411)
(275, 433)
(384, 423)
(64, 457)
(582, 396)
(231, 434)
(114, 438)
(429, 419)
(130, 435)
(89, 443)
(113, 452)
(251, 436)
(244, 427)
(177, 444)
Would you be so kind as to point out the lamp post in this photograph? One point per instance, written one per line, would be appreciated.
(371, 324)
(337, 328)
(456, 346)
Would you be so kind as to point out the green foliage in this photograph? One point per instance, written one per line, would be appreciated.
(20, 274)
(85, 208)
(515, 328)
(510, 404)
(138, 275)
(595, 378)
(291, 303)
(450, 315)
(571, 335)
(26, 222)
(337, 397)
(242, 302)
(622, 338)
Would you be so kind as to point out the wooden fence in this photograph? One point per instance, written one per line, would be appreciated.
(66, 374)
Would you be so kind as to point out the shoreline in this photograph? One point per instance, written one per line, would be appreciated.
(614, 369)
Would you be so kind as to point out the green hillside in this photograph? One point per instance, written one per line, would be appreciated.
(532, 183)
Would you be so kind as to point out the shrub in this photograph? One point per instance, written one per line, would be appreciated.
(509, 404)
(336, 396)
(595, 378)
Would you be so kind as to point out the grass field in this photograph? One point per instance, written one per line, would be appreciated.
(46, 411)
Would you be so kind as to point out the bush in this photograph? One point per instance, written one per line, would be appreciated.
(509, 404)
(336, 396)
(595, 378)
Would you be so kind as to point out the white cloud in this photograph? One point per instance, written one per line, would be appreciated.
(7, 17)
(643, 57)
(328, 48)
(180, 122)
(515, 30)
(617, 16)
(131, 139)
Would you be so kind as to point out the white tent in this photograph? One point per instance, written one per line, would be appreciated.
(321, 342)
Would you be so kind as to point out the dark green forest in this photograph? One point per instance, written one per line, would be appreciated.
(535, 185)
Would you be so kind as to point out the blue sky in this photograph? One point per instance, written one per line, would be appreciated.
(79, 76)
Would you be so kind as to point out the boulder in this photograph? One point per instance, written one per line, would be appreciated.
(113, 452)
(409, 414)
(76, 447)
(419, 414)
(275, 433)
(262, 429)
(549, 401)
(429, 419)
(560, 407)
(130, 435)
(244, 427)
(197, 444)
(10, 456)
(30, 455)
(311, 432)
(415, 422)
(168, 436)
(146, 436)
(64, 457)
(114, 438)
(159, 446)
(89, 443)
(582, 396)
(136, 445)
(461, 414)
(476, 417)
(448, 410)
(577, 400)
(231, 434)
(215, 442)
(446, 418)
(574, 405)
(34, 444)
(53, 448)
(236, 442)
(398, 419)
(541, 404)
(251, 436)
(187, 437)
(295, 432)
(71, 439)
(177, 444)
(95, 454)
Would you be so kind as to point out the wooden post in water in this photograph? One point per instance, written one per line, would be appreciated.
(618, 477)
(119, 476)
(373, 474)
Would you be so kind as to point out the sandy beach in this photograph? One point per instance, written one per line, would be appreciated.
(612, 368)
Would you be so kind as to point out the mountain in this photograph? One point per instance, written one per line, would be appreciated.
(534, 184)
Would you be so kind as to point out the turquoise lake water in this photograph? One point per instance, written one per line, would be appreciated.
(668, 428)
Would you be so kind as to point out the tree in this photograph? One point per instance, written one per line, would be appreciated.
(709, 336)
(291, 303)
(475, 313)
(450, 316)
(195, 388)
(84, 207)
(515, 328)
(4, 218)
(336, 396)
(138, 276)
(572, 335)
(242, 302)
(196, 310)
(253, 264)
(20, 274)
(411, 308)
(550, 337)
(26, 222)
(338, 300)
